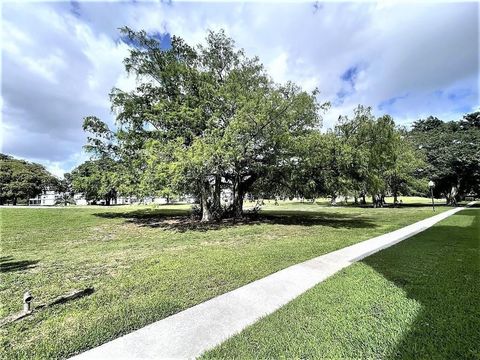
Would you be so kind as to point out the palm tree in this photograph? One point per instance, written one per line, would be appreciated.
(65, 199)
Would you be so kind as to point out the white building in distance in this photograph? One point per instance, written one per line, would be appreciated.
(46, 198)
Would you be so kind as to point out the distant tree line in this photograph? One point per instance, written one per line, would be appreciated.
(21, 180)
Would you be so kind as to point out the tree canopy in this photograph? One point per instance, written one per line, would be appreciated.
(21, 180)
(452, 150)
(207, 118)
(202, 119)
(96, 180)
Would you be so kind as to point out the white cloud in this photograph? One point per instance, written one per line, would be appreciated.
(411, 60)
(56, 70)
(278, 67)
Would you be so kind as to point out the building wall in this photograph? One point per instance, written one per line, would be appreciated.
(47, 198)
(80, 199)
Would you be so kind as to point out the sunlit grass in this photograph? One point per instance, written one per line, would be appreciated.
(416, 300)
(146, 264)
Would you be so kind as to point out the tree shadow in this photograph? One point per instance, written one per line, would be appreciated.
(440, 269)
(476, 205)
(145, 214)
(180, 220)
(8, 264)
(411, 205)
(336, 220)
(468, 212)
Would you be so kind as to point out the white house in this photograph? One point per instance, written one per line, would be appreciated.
(47, 198)
(50, 197)
(80, 199)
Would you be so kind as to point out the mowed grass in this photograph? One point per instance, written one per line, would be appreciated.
(307, 204)
(419, 299)
(148, 263)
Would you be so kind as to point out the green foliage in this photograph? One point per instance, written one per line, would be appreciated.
(452, 150)
(407, 175)
(201, 119)
(65, 199)
(96, 179)
(21, 180)
(373, 156)
(207, 118)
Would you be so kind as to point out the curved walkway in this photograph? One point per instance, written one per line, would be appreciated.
(191, 332)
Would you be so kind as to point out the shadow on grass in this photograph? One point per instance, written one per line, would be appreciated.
(468, 212)
(440, 269)
(360, 206)
(8, 264)
(476, 205)
(179, 220)
(403, 206)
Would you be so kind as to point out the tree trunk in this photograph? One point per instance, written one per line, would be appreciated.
(355, 199)
(206, 206)
(206, 214)
(451, 196)
(217, 205)
(237, 198)
(395, 198)
(14, 200)
(334, 200)
(241, 185)
(364, 201)
(238, 203)
(454, 195)
(107, 201)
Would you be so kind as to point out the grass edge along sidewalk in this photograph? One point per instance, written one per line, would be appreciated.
(202, 327)
(416, 300)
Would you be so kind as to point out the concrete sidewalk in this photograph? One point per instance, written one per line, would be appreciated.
(193, 331)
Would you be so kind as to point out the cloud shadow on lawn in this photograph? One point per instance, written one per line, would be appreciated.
(8, 264)
(440, 269)
(181, 221)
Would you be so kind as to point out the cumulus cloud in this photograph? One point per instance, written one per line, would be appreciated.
(60, 60)
(55, 71)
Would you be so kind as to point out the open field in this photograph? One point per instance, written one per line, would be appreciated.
(147, 263)
(416, 300)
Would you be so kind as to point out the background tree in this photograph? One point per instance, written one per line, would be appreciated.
(65, 189)
(96, 180)
(353, 135)
(21, 180)
(374, 157)
(452, 151)
(406, 176)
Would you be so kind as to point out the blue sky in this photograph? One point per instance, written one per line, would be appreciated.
(60, 59)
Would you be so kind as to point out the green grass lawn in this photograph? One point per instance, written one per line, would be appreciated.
(419, 299)
(146, 264)
(307, 204)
